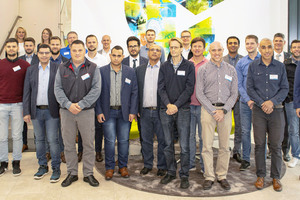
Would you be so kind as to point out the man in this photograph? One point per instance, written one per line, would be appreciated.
(233, 45)
(12, 75)
(149, 103)
(71, 36)
(267, 86)
(41, 107)
(216, 90)
(292, 119)
(106, 41)
(198, 59)
(116, 108)
(186, 39)
(176, 82)
(150, 38)
(55, 45)
(246, 103)
(77, 98)
(134, 59)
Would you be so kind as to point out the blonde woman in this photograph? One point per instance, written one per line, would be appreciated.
(20, 36)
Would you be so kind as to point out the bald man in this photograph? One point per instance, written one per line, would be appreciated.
(216, 90)
(106, 41)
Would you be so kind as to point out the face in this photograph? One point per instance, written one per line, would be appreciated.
(77, 53)
(251, 45)
(72, 37)
(133, 48)
(216, 52)
(44, 55)
(233, 45)
(45, 35)
(295, 50)
(55, 46)
(20, 33)
(91, 43)
(279, 43)
(150, 37)
(186, 38)
(266, 49)
(116, 57)
(29, 47)
(11, 49)
(197, 49)
(106, 42)
(154, 52)
(175, 49)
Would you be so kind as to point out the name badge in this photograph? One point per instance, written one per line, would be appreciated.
(273, 77)
(180, 73)
(85, 76)
(227, 77)
(17, 68)
(128, 81)
(66, 53)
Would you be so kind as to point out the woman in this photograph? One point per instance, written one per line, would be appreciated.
(45, 37)
(20, 36)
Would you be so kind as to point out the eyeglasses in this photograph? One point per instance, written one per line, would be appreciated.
(44, 53)
(153, 50)
(134, 46)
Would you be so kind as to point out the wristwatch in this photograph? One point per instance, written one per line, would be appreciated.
(224, 111)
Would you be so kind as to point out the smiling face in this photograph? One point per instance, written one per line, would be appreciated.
(233, 45)
(279, 43)
(216, 51)
(197, 49)
(186, 38)
(266, 50)
(44, 55)
(55, 46)
(71, 38)
(150, 37)
(20, 34)
(91, 43)
(251, 45)
(175, 49)
(295, 50)
(11, 49)
(29, 47)
(106, 42)
(45, 35)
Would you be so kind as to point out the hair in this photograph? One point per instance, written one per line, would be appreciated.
(233, 37)
(252, 37)
(177, 40)
(44, 46)
(117, 47)
(294, 42)
(10, 40)
(55, 38)
(185, 31)
(77, 42)
(279, 35)
(16, 36)
(198, 39)
(150, 30)
(71, 33)
(267, 39)
(133, 38)
(50, 35)
(91, 35)
(29, 39)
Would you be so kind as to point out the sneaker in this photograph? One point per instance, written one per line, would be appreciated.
(16, 168)
(55, 177)
(167, 179)
(245, 165)
(43, 170)
(293, 162)
(192, 169)
(3, 168)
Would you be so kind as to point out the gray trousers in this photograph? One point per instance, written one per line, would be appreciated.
(273, 124)
(237, 128)
(85, 123)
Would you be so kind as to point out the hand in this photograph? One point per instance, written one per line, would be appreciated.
(172, 109)
(27, 118)
(132, 117)
(74, 109)
(298, 112)
(218, 115)
(267, 107)
(250, 104)
(101, 118)
(138, 115)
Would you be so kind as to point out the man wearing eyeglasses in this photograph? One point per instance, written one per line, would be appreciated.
(186, 39)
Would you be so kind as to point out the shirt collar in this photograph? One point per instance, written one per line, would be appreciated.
(26, 56)
(156, 65)
(47, 67)
(111, 69)
(71, 61)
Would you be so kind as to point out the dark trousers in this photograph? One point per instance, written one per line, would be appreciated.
(273, 124)
(24, 133)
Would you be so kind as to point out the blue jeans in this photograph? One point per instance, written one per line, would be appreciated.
(116, 127)
(60, 141)
(246, 120)
(150, 124)
(46, 130)
(293, 128)
(13, 111)
(182, 120)
(195, 122)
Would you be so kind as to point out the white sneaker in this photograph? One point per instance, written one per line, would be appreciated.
(293, 162)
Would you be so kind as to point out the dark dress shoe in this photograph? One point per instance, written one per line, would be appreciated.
(167, 179)
(109, 174)
(277, 185)
(25, 147)
(91, 180)
(237, 157)
(79, 155)
(99, 157)
(145, 171)
(259, 184)
(224, 184)
(184, 184)
(286, 157)
(124, 172)
(69, 180)
(161, 172)
(207, 184)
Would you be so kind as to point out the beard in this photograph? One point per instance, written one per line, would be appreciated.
(29, 52)
(55, 53)
(94, 49)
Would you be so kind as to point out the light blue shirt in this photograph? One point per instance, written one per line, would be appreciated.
(150, 85)
(29, 58)
(144, 53)
(43, 82)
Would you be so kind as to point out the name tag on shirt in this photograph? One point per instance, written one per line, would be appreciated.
(227, 77)
(128, 81)
(180, 73)
(85, 76)
(273, 77)
(66, 53)
(17, 68)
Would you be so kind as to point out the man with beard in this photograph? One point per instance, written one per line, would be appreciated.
(55, 45)
(12, 75)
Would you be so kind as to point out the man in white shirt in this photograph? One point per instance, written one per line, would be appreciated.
(186, 38)
(106, 41)
(92, 55)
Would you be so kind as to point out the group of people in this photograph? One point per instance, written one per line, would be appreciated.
(96, 94)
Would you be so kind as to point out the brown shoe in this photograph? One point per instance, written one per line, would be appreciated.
(277, 185)
(259, 184)
(48, 156)
(109, 174)
(99, 157)
(79, 156)
(124, 172)
(25, 147)
(62, 157)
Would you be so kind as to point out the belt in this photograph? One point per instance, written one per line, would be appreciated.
(43, 107)
(151, 108)
(278, 106)
(218, 104)
(115, 107)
